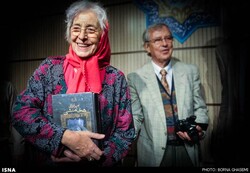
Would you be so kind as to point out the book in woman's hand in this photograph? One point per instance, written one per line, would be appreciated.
(77, 112)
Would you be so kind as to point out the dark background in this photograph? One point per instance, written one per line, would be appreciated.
(231, 143)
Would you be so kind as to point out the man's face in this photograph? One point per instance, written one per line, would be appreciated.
(160, 45)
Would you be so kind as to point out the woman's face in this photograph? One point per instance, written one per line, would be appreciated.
(85, 34)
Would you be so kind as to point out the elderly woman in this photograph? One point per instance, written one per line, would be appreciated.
(86, 68)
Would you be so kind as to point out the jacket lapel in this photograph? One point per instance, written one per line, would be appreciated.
(154, 91)
(179, 79)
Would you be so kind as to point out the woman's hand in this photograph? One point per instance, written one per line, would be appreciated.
(69, 157)
(81, 144)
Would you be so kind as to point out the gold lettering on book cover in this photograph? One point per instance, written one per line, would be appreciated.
(76, 118)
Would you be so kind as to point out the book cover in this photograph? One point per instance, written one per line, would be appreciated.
(78, 112)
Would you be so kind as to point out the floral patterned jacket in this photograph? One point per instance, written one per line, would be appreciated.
(32, 111)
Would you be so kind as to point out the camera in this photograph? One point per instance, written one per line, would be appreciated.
(188, 125)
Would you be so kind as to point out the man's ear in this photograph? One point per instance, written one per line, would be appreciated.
(146, 47)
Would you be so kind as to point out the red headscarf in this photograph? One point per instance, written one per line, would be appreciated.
(90, 71)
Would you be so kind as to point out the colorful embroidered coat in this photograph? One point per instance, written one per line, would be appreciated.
(32, 112)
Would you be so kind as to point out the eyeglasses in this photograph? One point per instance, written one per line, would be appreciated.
(159, 41)
(90, 31)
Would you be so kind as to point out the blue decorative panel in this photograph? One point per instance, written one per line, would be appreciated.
(182, 16)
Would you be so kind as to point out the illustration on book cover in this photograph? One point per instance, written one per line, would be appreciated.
(75, 111)
(75, 118)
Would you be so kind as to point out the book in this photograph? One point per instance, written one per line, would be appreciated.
(77, 112)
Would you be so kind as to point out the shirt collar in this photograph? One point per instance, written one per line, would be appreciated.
(157, 68)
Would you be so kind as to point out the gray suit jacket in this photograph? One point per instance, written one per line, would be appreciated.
(148, 112)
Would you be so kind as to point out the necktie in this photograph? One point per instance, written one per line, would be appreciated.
(164, 80)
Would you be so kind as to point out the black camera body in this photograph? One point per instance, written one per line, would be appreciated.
(188, 125)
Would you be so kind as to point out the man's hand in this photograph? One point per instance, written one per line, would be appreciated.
(185, 136)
